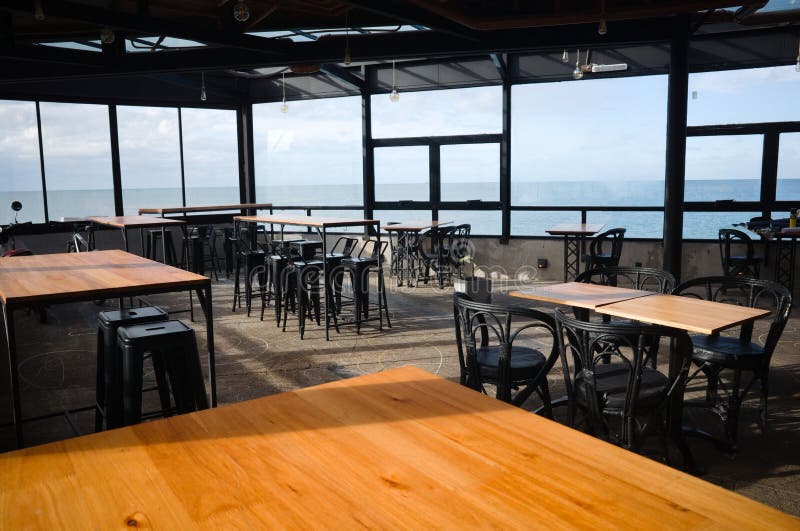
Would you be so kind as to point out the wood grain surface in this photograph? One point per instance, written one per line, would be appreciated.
(207, 208)
(98, 274)
(578, 229)
(685, 313)
(579, 294)
(398, 449)
(415, 226)
(134, 222)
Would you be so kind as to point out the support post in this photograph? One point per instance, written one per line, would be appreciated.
(367, 151)
(769, 172)
(435, 178)
(505, 165)
(247, 174)
(675, 169)
(116, 171)
(180, 152)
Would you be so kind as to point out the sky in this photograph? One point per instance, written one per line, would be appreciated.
(587, 130)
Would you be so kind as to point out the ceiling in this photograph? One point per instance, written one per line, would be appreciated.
(153, 52)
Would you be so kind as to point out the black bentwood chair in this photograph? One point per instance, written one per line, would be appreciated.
(733, 265)
(512, 348)
(605, 249)
(622, 401)
(737, 352)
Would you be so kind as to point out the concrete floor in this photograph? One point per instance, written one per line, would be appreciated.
(254, 358)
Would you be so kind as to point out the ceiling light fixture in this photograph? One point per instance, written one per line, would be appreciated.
(203, 86)
(346, 40)
(565, 56)
(578, 72)
(107, 36)
(394, 96)
(241, 12)
(602, 29)
(38, 12)
(284, 106)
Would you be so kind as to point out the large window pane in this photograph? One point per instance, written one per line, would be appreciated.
(310, 155)
(77, 158)
(744, 96)
(789, 167)
(636, 224)
(483, 222)
(402, 173)
(706, 225)
(470, 171)
(589, 142)
(723, 167)
(438, 112)
(402, 216)
(149, 154)
(20, 175)
(210, 157)
(536, 223)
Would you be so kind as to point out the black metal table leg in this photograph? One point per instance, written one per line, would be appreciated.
(11, 344)
(206, 303)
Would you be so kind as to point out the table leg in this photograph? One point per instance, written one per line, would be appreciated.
(324, 236)
(380, 278)
(141, 241)
(675, 409)
(206, 303)
(125, 237)
(163, 245)
(572, 257)
(11, 344)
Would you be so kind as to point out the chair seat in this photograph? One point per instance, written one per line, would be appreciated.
(612, 380)
(727, 352)
(525, 362)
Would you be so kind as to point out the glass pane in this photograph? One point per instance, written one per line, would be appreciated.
(470, 171)
(724, 167)
(465, 111)
(744, 96)
(210, 157)
(77, 158)
(706, 225)
(402, 173)
(20, 176)
(484, 222)
(149, 155)
(789, 167)
(536, 223)
(636, 224)
(589, 142)
(402, 216)
(310, 155)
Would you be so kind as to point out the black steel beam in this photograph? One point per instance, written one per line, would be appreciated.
(247, 174)
(414, 15)
(769, 171)
(675, 170)
(343, 74)
(367, 152)
(505, 165)
(743, 129)
(180, 152)
(500, 65)
(41, 162)
(435, 178)
(444, 140)
(116, 171)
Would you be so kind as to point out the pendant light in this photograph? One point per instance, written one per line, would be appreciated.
(394, 96)
(203, 86)
(578, 72)
(284, 106)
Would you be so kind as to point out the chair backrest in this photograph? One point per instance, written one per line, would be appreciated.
(610, 240)
(344, 245)
(642, 278)
(480, 325)
(590, 343)
(750, 292)
(372, 250)
(458, 242)
(728, 239)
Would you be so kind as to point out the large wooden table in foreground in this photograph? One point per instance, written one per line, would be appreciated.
(75, 277)
(394, 450)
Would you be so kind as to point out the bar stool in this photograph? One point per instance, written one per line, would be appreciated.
(153, 245)
(108, 388)
(254, 263)
(203, 245)
(359, 269)
(173, 349)
(301, 280)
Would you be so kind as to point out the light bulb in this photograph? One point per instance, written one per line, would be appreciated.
(797, 65)
(284, 107)
(241, 12)
(203, 96)
(347, 55)
(565, 57)
(394, 96)
(38, 12)
(107, 36)
(577, 73)
(602, 29)
(203, 86)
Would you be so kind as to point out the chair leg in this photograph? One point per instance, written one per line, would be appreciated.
(236, 268)
(763, 377)
(160, 370)
(734, 404)
(100, 385)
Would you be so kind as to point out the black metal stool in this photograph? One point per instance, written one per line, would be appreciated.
(172, 346)
(153, 244)
(108, 389)
(359, 269)
(254, 263)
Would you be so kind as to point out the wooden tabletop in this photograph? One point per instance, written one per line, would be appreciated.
(415, 226)
(579, 294)
(137, 222)
(581, 229)
(307, 221)
(209, 208)
(98, 274)
(685, 313)
(397, 449)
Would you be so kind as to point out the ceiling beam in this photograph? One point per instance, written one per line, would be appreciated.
(343, 74)
(500, 65)
(406, 13)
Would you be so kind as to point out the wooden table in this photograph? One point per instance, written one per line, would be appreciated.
(251, 207)
(579, 294)
(321, 225)
(74, 277)
(405, 234)
(124, 223)
(399, 449)
(574, 234)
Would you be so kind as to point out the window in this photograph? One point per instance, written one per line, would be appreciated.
(723, 167)
(21, 176)
(210, 157)
(438, 112)
(402, 216)
(310, 155)
(744, 96)
(536, 223)
(470, 171)
(788, 167)
(483, 222)
(77, 159)
(402, 173)
(636, 224)
(149, 153)
(706, 225)
(592, 142)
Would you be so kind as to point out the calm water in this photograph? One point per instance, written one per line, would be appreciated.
(75, 203)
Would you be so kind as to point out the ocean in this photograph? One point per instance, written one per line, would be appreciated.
(697, 225)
